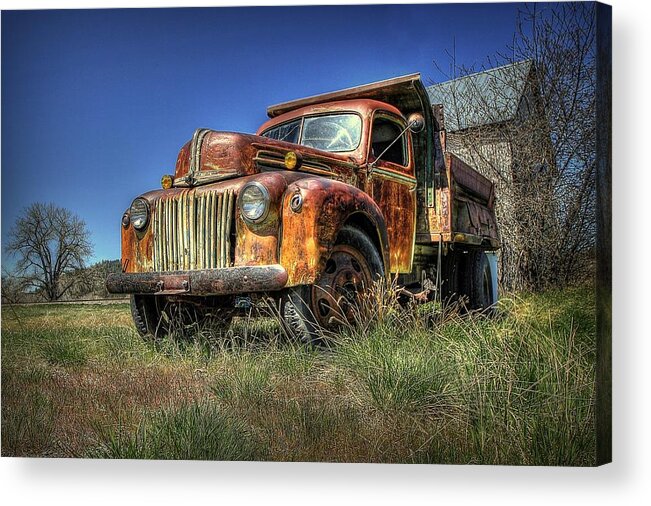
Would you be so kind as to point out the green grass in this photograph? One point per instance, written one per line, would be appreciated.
(407, 386)
(394, 374)
(65, 352)
(197, 431)
(28, 426)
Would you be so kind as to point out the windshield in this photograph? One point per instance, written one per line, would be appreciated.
(332, 132)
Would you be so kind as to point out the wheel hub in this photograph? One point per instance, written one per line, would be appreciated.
(336, 295)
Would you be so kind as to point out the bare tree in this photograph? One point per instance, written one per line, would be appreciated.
(49, 242)
(542, 159)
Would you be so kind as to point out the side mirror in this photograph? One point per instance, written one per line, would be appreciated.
(416, 122)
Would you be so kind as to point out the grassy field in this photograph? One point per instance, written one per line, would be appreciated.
(409, 386)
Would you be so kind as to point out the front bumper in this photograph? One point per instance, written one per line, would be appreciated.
(231, 280)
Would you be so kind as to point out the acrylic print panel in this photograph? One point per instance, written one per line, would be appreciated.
(235, 261)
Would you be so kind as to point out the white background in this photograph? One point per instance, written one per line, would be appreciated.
(626, 481)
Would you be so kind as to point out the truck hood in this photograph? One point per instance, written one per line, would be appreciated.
(212, 156)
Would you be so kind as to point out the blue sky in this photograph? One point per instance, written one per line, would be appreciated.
(97, 103)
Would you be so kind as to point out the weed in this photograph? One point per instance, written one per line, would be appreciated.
(395, 374)
(244, 381)
(27, 415)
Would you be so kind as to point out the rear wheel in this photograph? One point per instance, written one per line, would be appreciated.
(476, 281)
(353, 266)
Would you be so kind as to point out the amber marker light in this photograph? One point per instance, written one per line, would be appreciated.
(292, 160)
(166, 181)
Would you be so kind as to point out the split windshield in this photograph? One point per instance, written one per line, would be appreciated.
(332, 132)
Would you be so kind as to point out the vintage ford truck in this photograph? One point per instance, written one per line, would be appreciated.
(333, 192)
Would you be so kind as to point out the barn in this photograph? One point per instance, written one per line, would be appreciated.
(494, 120)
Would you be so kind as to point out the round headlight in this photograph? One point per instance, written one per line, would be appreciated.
(254, 202)
(139, 213)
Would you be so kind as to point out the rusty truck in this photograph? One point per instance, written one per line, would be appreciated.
(332, 193)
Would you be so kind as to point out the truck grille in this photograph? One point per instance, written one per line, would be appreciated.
(193, 231)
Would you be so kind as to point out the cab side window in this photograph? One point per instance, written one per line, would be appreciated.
(385, 131)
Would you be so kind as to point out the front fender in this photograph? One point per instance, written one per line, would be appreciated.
(308, 235)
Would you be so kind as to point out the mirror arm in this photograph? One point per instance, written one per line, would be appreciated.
(371, 165)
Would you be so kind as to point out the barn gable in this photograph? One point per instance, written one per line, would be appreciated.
(490, 97)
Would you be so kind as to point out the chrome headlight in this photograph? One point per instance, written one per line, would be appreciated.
(139, 213)
(254, 202)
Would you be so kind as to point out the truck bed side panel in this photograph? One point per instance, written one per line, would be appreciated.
(464, 208)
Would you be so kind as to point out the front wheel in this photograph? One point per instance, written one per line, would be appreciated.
(350, 271)
(147, 316)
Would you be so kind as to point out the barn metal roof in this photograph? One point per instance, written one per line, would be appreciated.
(483, 98)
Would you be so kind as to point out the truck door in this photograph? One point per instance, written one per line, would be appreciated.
(392, 185)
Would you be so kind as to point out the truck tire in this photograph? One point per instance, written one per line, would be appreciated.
(147, 316)
(354, 265)
(476, 281)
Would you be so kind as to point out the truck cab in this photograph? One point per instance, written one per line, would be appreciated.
(332, 194)
(373, 139)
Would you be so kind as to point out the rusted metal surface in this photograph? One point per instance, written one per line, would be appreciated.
(464, 209)
(258, 243)
(397, 202)
(398, 92)
(469, 180)
(309, 235)
(212, 156)
(405, 94)
(393, 188)
(227, 155)
(193, 231)
(473, 215)
(137, 247)
(200, 282)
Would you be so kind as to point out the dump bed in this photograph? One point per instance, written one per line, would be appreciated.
(457, 204)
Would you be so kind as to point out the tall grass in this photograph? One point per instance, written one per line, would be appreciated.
(517, 389)
(406, 384)
(394, 375)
